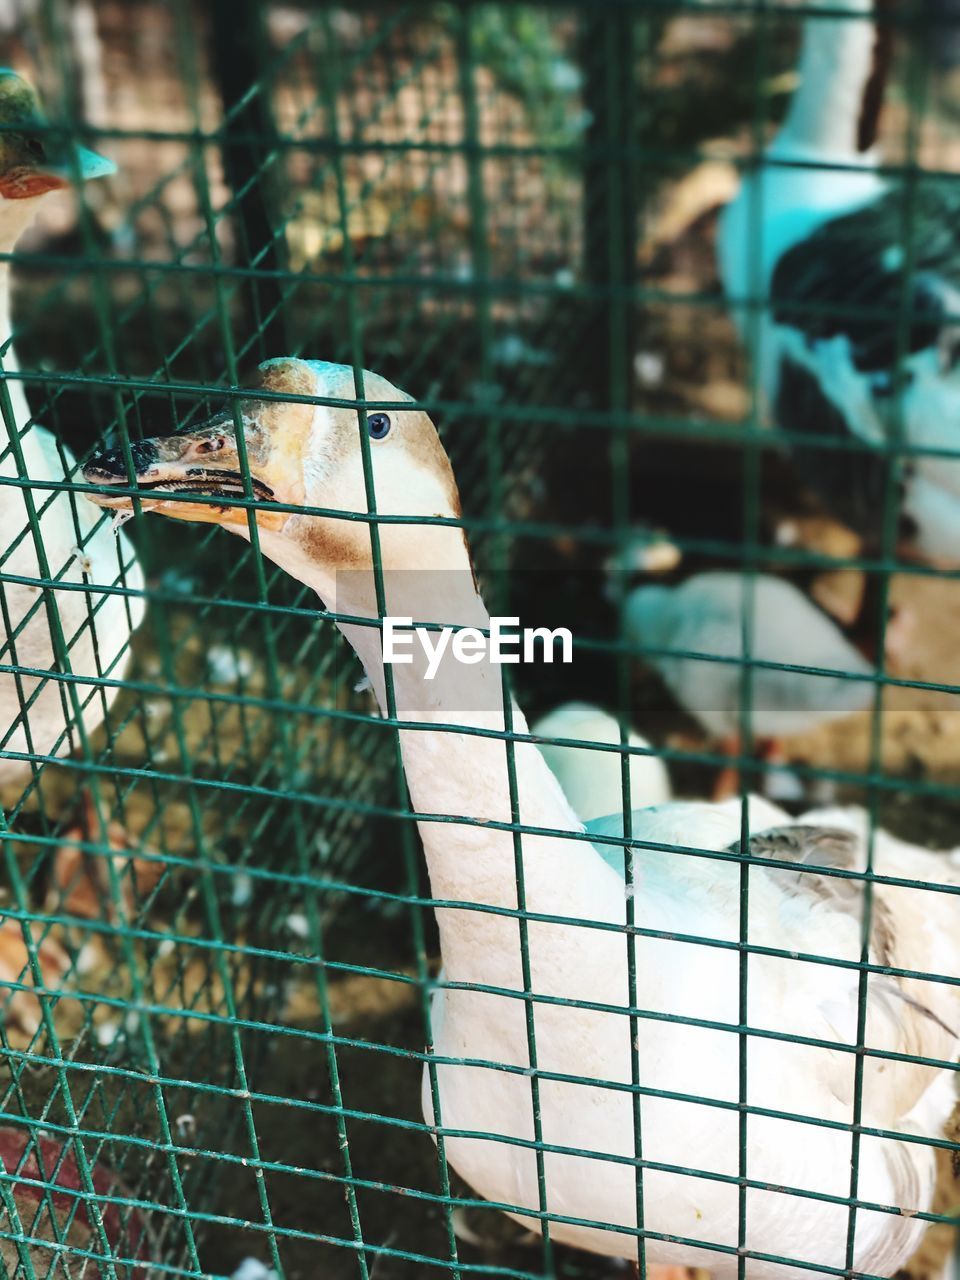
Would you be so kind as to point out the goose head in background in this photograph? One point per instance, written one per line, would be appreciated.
(34, 159)
(35, 162)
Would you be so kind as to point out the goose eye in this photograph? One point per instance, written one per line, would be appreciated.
(378, 424)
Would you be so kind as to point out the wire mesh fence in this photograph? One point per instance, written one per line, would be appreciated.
(219, 964)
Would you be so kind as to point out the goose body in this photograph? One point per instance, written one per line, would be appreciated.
(593, 780)
(695, 823)
(704, 615)
(305, 453)
(37, 714)
(847, 274)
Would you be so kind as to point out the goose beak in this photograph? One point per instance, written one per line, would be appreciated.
(25, 182)
(204, 462)
(28, 180)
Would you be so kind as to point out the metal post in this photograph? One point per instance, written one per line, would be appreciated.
(249, 147)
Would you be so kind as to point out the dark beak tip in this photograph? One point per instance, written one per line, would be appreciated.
(105, 467)
(110, 465)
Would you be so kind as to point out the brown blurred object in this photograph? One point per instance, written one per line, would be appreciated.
(22, 1009)
(81, 880)
(47, 1184)
(921, 727)
(683, 203)
(839, 591)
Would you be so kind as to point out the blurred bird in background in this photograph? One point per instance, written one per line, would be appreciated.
(73, 546)
(592, 780)
(858, 350)
(725, 617)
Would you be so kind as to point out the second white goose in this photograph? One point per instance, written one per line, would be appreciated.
(36, 708)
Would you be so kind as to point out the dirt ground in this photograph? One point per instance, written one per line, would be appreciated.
(921, 734)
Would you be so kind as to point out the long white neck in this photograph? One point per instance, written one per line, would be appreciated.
(460, 774)
(15, 217)
(835, 64)
(6, 323)
(779, 204)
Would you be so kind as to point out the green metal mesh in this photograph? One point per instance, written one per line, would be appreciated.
(219, 1055)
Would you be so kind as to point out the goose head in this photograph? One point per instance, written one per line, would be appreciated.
(304, 454)
(34, 162)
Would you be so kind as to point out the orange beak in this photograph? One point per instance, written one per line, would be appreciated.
(23, 183)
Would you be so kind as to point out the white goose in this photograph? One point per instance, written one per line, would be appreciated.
(307, 454)
(78, 545)
(705, 615)
(845, 265)
(592, 780)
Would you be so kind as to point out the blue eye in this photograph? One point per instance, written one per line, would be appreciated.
(378, 424)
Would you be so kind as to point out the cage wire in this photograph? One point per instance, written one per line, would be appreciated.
(214, 1010)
